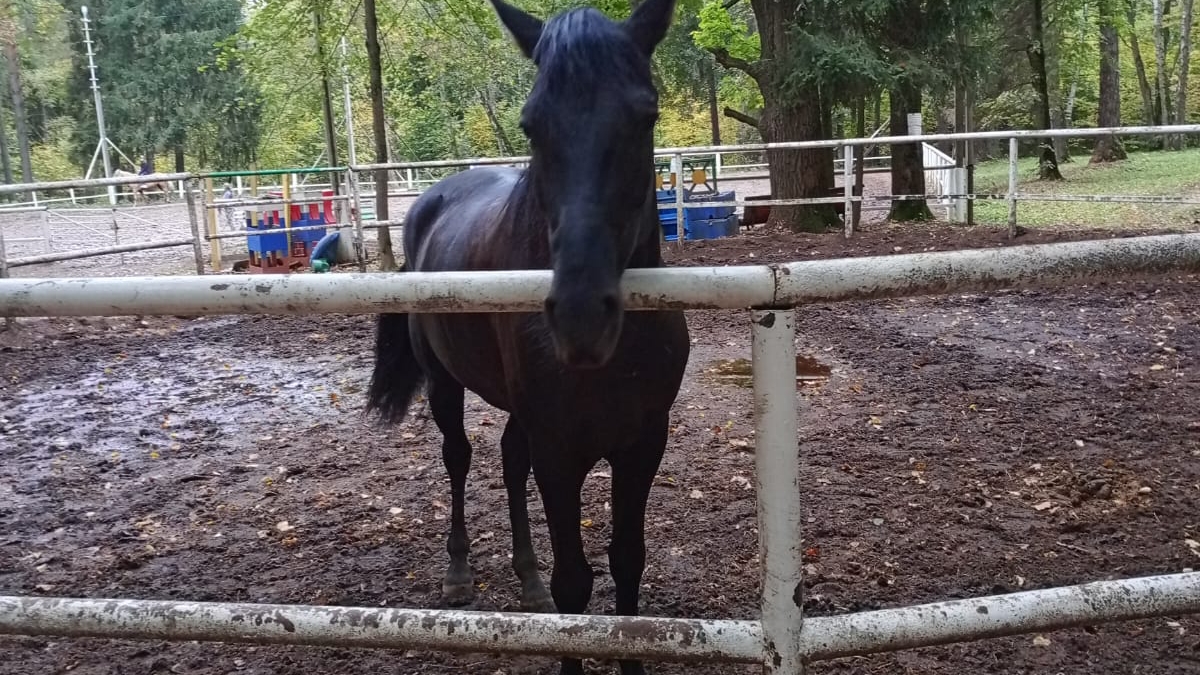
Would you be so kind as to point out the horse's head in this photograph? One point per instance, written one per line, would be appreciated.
(590, 121)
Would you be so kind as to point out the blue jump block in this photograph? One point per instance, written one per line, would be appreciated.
(706, 222)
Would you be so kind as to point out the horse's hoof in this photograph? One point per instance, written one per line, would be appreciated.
(539, 604)
(457, 595)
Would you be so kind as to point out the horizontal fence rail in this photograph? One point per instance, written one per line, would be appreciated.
(951, 191)
(603, 637)
(830, 143)
(735, 287)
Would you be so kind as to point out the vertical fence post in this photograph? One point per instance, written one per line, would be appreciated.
(3, 255)
(116, 227)
(47, 246)
(848, 188)
(777, 465)
(409, 174)
(1012, 187)
(189, 195)
(356, 210)
(71, 191)
(677, 169)
(10, 323)
(288, 184)
(210, 219)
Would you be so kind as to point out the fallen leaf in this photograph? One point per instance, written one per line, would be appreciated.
(586, 522)
(283, 526)
(1041, 641)
(1157, 366)
(696, 494)
(1194, 546)
(1043, 505)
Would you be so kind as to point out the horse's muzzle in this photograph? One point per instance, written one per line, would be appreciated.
(585, 327)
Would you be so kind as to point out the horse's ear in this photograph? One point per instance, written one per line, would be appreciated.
(525, 28)
(648, 23)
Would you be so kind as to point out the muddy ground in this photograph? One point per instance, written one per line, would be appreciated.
(954, 447)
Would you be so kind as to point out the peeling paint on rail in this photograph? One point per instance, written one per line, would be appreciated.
(673, 288)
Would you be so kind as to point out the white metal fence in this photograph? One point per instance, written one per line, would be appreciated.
(783, 641)
(945, 184)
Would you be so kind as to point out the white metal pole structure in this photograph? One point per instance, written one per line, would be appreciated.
(777, 468)
(103, 143)
(734, 287)
(848, 190)
(1012, 187)
(607, 637)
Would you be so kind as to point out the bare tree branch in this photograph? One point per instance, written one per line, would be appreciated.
(741, 117)
(729, 3)
(728, 61)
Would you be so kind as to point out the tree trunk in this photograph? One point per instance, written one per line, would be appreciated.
(1055, 32)
(1109, 148)
(797, 174)
(1069, 108)
(908, 169)
(1139, 65)
(878, 110)
(387, 259)
(1160, 62)
(326, 104)
(1185, 48)
(178, 158)
(18, 105)
(788, 116)
(1048, 166)
(714, 112)
(5, 162)
(489, 109)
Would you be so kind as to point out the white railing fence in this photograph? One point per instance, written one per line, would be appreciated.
(946, 185)
(782, 641)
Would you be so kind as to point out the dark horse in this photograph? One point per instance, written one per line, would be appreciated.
(582, 381)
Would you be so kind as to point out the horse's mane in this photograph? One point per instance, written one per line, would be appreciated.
(582, 46)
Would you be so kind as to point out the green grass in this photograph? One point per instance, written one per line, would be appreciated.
(1144, 173)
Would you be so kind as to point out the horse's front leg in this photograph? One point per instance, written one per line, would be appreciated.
(633, 471)
(514, 448)
(560, 476)
(446, 403)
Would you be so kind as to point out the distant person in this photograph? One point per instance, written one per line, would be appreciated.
(145, 170)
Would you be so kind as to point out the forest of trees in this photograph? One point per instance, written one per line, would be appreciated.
(219, 84)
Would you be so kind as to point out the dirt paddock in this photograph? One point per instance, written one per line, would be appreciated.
(954, 446)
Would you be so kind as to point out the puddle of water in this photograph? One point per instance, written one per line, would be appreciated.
(162, 400)
(740, 372)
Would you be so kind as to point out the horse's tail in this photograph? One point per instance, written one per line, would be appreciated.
(397, 375)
